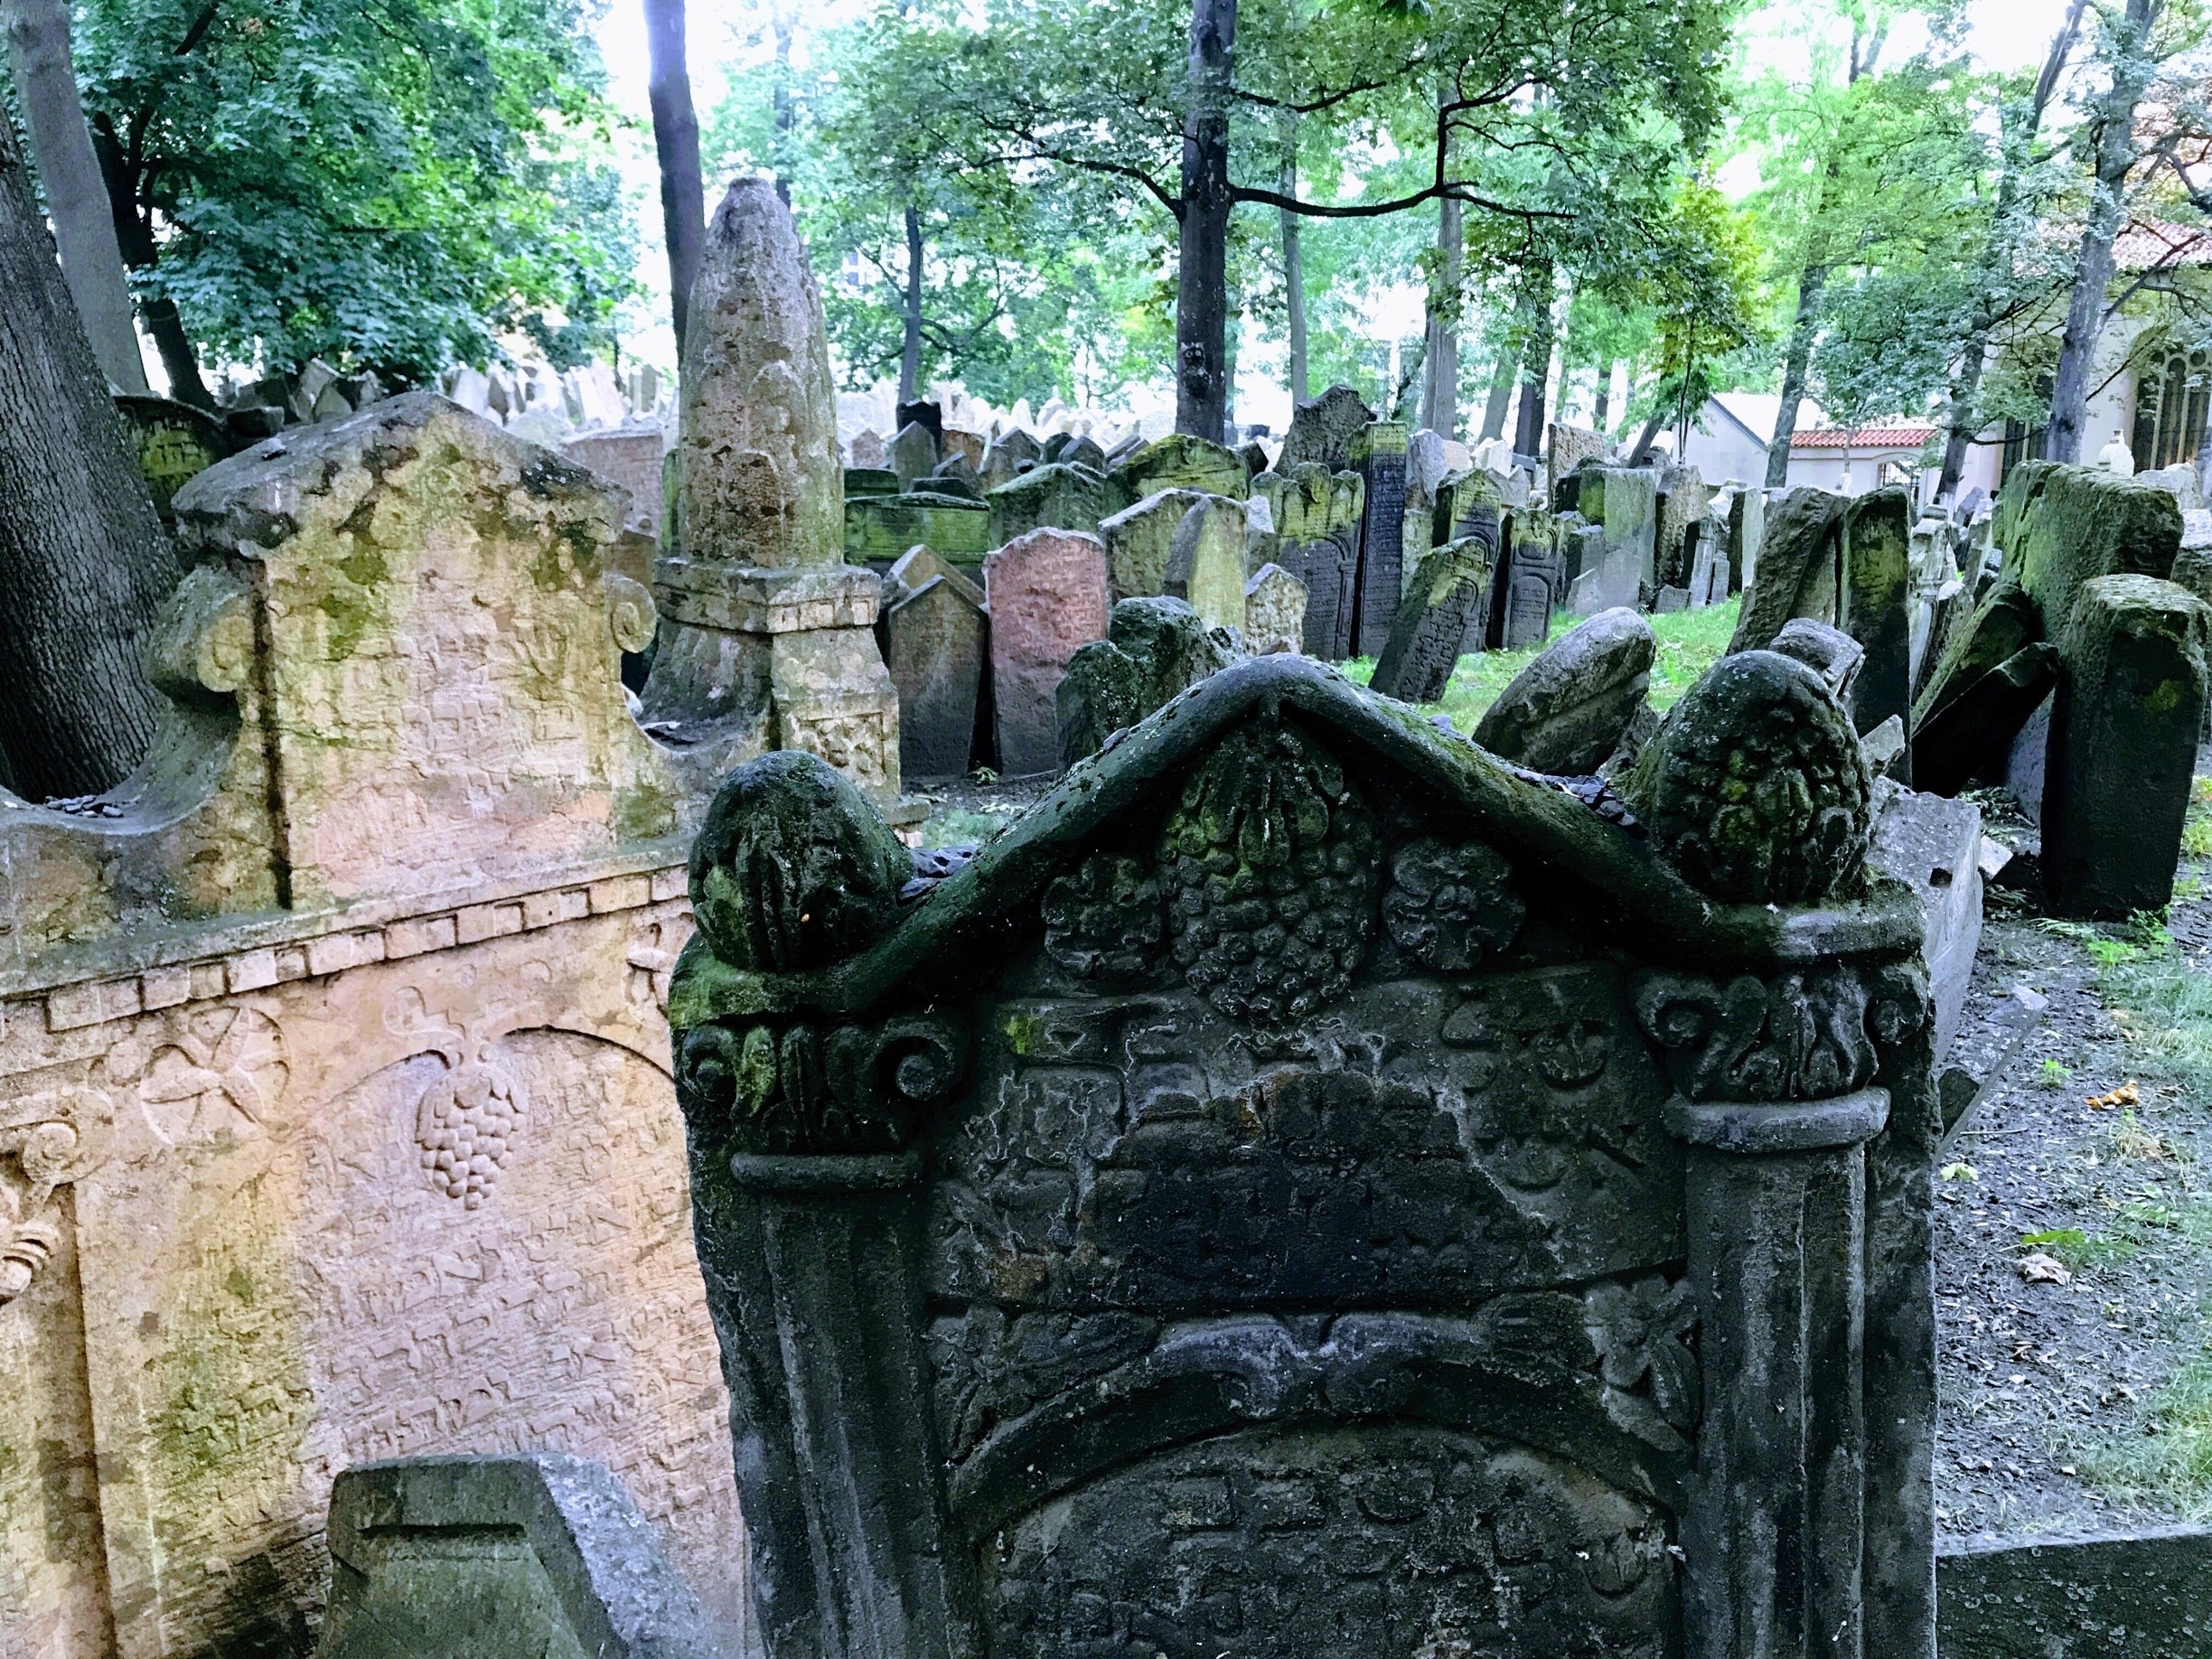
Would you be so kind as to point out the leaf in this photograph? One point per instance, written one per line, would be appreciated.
(2041, 1270)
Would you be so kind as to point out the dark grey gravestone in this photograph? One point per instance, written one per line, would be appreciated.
(1325, 430)
(1974, 734)
(1053, 496)
(1565, 713)
(1829, 652)
(1797, 567)
(1329, 568)
(524, 1555)
(2026, 764)
(1449, 593)
(1381, 459)
(2123, 1596)
(1875, 602)
(914, 455)
(1934, 847)
(2130, 706)
(1670, 600)
(924, 412)
(1708, 571)
(1583, 551)
(1530, 583)
(936, 647)
(1624, 502)
(1306, 1187)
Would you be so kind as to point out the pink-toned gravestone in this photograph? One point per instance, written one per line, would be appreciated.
(1047, 593)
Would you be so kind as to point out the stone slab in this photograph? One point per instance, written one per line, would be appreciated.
(1565, 713)
(1447, 603)
(2136, 1595)
(1934, 846)
(1047, 594)
(935, 648)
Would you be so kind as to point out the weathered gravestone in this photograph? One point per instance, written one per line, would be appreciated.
(1274, 611)
(1709, 573)
(1154, 649)
(2130, 706)
(1565, 713)
(1872, 601)
(1205, 562)
(1379, 455)
(631, 457)
(1747, 534)
(1971, 736)
(1053, 496)
(1316, 515)
(1449, 597)
(174, 443)
(2141, 1595)
(1010, 455)
(1684, 498)
(1180, 462)
(1797, 568)
(1324, 431)
(1624, 501)
(870, 450)
(1306, 1188)
(1527, 584)
(1139, 539)
(935, 645)
(1047, 592)
(521, 1555)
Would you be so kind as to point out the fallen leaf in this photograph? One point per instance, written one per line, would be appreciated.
(2041, 1270)
(2126, 1094)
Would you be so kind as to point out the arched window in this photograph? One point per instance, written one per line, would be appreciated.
(2172, 402)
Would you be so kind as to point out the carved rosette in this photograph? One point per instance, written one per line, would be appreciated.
(1270, 864)
(1800, 1036)
(1448, 903)
(1103, 920)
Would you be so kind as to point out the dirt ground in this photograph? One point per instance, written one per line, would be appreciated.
(2074, 1240)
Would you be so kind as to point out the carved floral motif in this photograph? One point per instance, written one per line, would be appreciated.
(202, 1072)
(1641, 1330)
(1103, 920)
(1800, 1036)
(1448, 904)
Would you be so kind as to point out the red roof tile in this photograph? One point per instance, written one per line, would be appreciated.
(1894, 435)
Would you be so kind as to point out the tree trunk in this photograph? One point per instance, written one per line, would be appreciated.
(1441, 400)
(910, 352)
(135, 236)
(1602, 411)
(1793, 372)
(1536, 358)
(683, 204)
(1202, 277)
(785, 113)
(1501, 395)
(2114, 117)
(84, 564)
(1965, 387)
(1294, 265)
(76, 194)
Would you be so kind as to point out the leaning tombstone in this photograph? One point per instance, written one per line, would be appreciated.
(1138, 540)
(1154, 649)
(1326, 431)
(1566, 712)
(511, 1555)
(1797, 567)
(1972, 735)
(1274, 611)
(1047, 593)
(1205, 562)
(935, 647)
(1433, 623)
(1308, 1187)
(2129, 707)
(1873, 601)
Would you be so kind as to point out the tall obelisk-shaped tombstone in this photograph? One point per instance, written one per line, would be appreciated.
(763, 624)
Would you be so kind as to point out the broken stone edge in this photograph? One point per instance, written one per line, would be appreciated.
(1522, 816)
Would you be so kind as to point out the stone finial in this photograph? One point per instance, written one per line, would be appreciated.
(793, 868)
(1754, 788)
(760, 482)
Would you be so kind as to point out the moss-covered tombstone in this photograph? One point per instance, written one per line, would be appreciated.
(1310, 1187)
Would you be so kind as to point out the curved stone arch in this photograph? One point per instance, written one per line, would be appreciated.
(1227, 1376)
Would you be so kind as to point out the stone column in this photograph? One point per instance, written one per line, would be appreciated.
(1773, 1535)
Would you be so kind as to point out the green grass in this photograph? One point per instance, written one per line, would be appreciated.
(2078, 1251)
(956, 827)
(1690, 642)
(2168, 1460)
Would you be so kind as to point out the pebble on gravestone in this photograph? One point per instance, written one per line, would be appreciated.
(1139, 539)
(1053, 496)
(1972, 735)
(914, 454)
(1434, 621)
(1379, 455)
(758, 473)
(2124, 725)
(1154, 649)
(935, 648)
(1047, 596)
(1316, 515)
(1274, 611)
(1324, 430)
(1205, 562)
(1566, 712)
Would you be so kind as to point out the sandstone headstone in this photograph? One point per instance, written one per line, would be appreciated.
(1205, 562)
(953, 441)
(1433, 623)
(630, 456)
(1971, 737)
(1565, 712)
(1326, 431)
(1053, 496)
(1379, 453)
(758, 472)
(919, 565)
(1426, 466)
(1797, 567)
(1010, 456)
(1047, 594)
(914, 455)
(1529, 585)
(1036, 1163)
(1316, 515)
(1181, 462)
(1274, 611)
(1568, 449)
(1873, 603)
(2061, 526)
(935, 651)
(870, 450)
(1154, 649)
(2129, 707)
(1139, 539)
(518, 1555)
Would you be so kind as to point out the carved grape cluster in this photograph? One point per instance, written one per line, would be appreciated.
(465, 1125)
(1270, 865)
(1449, 903)
(1103, 920)
(1755, 789)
